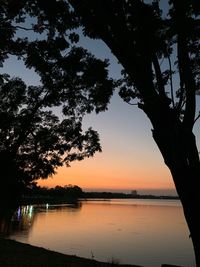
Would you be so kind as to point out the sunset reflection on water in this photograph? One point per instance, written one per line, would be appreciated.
(142, 232)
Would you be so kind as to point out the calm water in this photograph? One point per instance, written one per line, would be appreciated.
(143, 232)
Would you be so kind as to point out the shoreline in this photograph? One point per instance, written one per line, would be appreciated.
(14, 253)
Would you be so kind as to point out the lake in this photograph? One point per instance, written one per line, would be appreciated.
(129, 231)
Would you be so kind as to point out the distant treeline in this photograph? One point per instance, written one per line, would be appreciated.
(110, 195)
(58, 194)
(71, 193)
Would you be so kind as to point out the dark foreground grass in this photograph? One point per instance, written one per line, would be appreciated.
(15, 254)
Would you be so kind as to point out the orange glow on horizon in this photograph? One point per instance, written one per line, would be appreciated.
(96, 173)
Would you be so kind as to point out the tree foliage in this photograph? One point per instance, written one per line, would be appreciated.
(150, 42)
(57, 194)
(41, 126)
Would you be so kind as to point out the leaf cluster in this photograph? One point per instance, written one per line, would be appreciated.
(41, 126)
(158, 47)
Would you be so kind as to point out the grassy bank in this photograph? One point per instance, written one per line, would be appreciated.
(15, 254)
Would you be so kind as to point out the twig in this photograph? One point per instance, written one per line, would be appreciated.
(171, 81)
(197, 117)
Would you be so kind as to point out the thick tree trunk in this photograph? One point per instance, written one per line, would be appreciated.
(179, 150)
(189, 195)
(10, 191)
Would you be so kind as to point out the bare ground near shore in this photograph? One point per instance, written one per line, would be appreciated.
(16, 254)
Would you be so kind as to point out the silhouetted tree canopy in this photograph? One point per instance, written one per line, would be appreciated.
(41, 126)
(58, 194)
(149, 42)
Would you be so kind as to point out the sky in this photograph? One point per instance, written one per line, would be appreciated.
(130, 159)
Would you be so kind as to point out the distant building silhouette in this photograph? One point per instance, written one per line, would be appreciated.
(134, 192)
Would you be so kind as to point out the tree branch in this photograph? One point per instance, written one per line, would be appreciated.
(23, 28)
(159, 77)
(189, 83)
(181, 97)
(132, 104)
(171, 81)
(197, 118)
(185, 68)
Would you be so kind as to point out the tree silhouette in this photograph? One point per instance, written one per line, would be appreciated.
(58, 194)
(159, 52)
(34, 139)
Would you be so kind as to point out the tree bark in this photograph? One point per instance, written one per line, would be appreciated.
(179, 150)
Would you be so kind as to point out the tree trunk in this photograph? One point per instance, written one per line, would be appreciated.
(189, 196)
(179, 150)
(10, 191)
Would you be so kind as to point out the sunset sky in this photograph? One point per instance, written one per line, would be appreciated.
(130, 158)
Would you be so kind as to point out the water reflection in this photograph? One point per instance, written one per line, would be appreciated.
(146, 233)
(20, 221)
